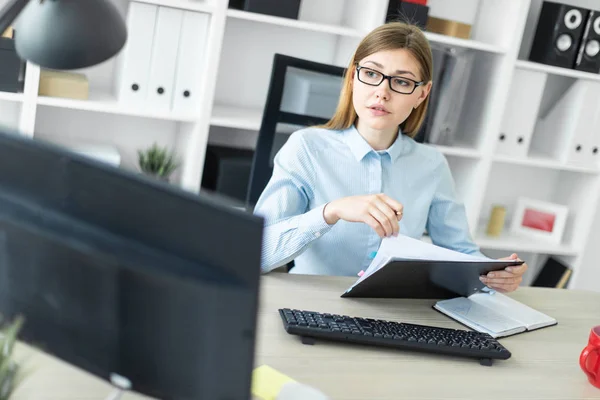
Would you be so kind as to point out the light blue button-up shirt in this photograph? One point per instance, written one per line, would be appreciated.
(316, 166)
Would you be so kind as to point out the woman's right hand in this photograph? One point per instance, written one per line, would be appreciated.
(379, 211)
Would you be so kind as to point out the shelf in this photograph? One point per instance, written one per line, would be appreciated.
(294, 23)
(457, 151)
(464, 43)
(517, 244)
(236, 117)
(8, 96)
(105, 103)
(183, 4)
(549, 69)
(513, 244)
(543, 162)
(250, 119)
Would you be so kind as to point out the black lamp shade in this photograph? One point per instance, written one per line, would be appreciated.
(69, 34)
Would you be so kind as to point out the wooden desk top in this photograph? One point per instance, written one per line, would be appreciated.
(544, 363)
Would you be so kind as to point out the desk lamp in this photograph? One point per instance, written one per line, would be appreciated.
(65, 34)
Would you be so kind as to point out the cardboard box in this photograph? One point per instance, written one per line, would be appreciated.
(63, 84)
(448, 28)
(8, 33)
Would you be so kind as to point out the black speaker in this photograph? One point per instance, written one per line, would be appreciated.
(409, 12)
(558, 34)
(588, 58)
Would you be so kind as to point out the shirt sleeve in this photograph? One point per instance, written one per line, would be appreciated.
(289, 225)
(447, 222)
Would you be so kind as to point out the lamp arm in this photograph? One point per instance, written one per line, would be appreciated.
(10, 12)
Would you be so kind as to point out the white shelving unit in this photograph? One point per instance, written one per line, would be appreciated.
(239, 51)
(550, 69)
(11, 97)
(306, 25)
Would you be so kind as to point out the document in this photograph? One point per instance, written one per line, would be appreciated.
(409, 268)
(406, 248)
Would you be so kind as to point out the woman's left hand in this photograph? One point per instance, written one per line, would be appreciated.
(506, 280)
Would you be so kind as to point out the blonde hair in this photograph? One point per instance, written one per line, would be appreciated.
(390, 36)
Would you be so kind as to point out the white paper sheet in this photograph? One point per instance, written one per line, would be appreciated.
(527, 316)
(407, 248)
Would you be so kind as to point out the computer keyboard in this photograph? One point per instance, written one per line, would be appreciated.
(310, 325)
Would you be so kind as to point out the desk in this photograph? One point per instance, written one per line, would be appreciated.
(544, 364)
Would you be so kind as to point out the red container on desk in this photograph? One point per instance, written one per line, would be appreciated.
(589, 360)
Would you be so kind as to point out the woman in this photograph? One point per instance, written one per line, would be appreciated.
(337, 190)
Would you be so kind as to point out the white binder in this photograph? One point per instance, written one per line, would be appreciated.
(579, 148)
(190, 62)
(134, 60)
(161, 83)
(593, 153)
(521, 113)
(559, 133)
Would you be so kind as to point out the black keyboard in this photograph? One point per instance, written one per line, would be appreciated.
(310, 325)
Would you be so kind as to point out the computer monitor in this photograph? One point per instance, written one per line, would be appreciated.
(116, 273)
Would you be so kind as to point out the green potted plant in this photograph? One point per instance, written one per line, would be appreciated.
(8, 367)
(157, 162)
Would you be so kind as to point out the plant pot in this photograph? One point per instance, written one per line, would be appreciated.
(158, 177)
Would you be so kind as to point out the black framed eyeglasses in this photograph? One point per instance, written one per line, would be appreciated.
(398, 84)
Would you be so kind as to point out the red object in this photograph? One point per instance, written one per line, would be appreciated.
(589, 360)
(419, 2)
(539, 220)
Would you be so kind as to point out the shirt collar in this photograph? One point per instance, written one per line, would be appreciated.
(360, 147)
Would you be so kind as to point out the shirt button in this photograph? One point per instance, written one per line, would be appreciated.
(318, 234)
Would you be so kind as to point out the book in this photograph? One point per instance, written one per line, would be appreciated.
(553, 274)
(410, 268)
(494, 313)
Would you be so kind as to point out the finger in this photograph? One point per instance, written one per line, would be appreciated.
(499, 280)
(513, 256)
(383, 220)
(373, 223)
(501, 274)
(395, 205)
(389, 213)
(504, 288)
(515, 281)
(518, 270)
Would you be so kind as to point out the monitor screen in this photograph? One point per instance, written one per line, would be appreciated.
(118, 274)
